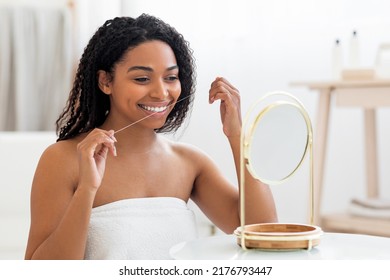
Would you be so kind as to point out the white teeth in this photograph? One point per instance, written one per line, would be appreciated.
(154, 109)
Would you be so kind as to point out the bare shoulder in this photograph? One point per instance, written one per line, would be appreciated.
(194, 157)
(63, 148)
(58, 163)
(188, 151)
(61, 152)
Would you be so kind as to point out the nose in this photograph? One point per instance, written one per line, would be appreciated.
(159, 90)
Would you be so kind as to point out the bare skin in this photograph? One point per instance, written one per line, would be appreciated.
(97, 168)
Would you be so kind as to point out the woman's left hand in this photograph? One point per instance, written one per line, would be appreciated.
(230, 107)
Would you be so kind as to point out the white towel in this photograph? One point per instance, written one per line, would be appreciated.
(139, 228)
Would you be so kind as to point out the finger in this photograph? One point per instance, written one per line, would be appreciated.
(111, 134)
(105, 141)
(113, 150)
(229, 84)
(223, 81)
(108, 147)
(221, 94)
(102, 152)
(112, 146)
(91, 144)
(221, 90)
(217, 86)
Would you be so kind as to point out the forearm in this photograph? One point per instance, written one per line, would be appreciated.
(69, 238)
(259, 202)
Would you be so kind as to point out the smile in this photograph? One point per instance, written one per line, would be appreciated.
(154, 109)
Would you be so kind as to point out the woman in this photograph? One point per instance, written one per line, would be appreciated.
(112, 187)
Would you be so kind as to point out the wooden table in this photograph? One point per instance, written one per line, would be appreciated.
(368, 95)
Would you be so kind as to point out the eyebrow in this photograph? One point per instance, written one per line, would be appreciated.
(149, 69)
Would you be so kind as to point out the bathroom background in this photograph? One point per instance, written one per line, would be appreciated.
(260, 46)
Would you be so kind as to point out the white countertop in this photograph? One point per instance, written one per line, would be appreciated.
(333, 246)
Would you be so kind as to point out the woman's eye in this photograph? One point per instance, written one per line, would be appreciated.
(172, 78)
(141, 80)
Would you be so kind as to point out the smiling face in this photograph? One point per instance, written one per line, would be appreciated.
(145, 83)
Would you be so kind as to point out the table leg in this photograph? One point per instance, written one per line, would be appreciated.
(320, 145)
(371, 153)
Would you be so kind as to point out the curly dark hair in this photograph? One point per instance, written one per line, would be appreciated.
(87, 106)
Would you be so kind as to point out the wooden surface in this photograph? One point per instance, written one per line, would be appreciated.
(343, 222)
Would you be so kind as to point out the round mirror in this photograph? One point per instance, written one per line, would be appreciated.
(277, 142)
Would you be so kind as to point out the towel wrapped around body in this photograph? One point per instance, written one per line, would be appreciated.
(139, 228)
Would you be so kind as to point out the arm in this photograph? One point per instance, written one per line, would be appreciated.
(259, 202)
(260, 206)
(62, 196)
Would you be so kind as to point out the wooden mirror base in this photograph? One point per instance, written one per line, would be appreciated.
(278, 237)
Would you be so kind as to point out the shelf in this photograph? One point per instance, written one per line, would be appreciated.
(346, 223)
(369, 95)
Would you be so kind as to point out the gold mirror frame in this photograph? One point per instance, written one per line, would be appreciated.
(275, 235)
(248, 142)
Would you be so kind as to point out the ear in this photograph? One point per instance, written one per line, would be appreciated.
(104, 81)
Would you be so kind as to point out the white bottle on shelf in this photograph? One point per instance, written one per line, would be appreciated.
(337, 60)
(354, 50)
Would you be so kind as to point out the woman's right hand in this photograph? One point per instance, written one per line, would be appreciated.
(92, 153)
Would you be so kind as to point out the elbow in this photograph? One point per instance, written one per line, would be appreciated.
(271, 217)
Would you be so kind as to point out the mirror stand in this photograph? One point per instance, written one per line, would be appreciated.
(260, 127)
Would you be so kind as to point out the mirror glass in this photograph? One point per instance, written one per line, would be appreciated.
(277, 142)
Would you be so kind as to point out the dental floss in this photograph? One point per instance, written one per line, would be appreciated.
(127, 126)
